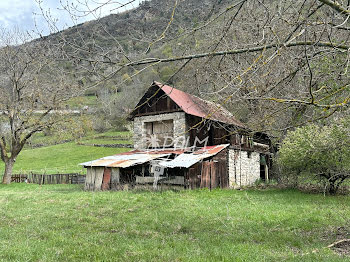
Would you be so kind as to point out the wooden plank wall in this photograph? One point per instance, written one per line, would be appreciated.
(194, 176)
(221, 158)
(162, 130)
(90, 178)
(216, 136)
(209, 174)
(159, 103)
(94, 177)
(101, 178)
(98, 177)
(115, 178)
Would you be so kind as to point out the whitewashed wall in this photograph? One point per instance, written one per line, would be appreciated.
(243, 170)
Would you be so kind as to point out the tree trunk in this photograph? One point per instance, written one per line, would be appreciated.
(332, 188)
(8, 171)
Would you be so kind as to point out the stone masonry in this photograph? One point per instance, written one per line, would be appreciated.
(179, 121)
(243, 170)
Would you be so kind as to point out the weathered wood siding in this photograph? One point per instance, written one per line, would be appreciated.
(94, 177)
(215, 133)
(156, 102)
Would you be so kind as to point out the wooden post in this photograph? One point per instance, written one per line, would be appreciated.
(266, 173)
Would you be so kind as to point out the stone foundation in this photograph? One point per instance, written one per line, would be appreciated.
(243, 167)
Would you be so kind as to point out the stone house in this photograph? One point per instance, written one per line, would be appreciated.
(192, 142)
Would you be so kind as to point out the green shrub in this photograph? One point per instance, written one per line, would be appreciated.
(323, 151)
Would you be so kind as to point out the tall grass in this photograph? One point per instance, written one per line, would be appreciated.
(64, 223)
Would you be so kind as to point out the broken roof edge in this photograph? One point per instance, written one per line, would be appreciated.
(122, 160)
(138, 157)
(188, 160)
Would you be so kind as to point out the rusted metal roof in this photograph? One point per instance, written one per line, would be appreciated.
(124, 160)
(196, 106)
(184, 157)
(187, 160)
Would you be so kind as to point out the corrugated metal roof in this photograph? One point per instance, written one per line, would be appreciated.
(185, 157)
(187, 160)
(196, 106)
(124, 160)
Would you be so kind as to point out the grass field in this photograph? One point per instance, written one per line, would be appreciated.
(92, 137)
(106, 141)
(63, 158)
(64, 223)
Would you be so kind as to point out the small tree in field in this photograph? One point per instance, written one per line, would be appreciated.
(33, 92)
(321, 151)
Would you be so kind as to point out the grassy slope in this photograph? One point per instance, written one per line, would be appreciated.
(63, 158)
(106, 141)
(63, 223)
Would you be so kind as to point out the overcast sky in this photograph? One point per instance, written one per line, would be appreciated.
(23, 13)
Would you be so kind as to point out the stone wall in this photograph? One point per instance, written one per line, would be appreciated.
(243, 170)
(179, 121)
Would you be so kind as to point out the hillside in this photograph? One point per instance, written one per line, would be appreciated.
(258, 87)
(129, 34)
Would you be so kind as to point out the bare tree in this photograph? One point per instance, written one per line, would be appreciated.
(284, 62)
(33, 89)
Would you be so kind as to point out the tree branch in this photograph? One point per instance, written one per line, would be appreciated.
(228, 52)
(336, 6)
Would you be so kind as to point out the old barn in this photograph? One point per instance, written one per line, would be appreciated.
(183, 141)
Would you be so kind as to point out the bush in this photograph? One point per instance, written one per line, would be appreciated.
(322, 151)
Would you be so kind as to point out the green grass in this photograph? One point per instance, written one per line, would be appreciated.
(42, 139)
(109, 137)
(81, 101)
(125, 134)
(63, 158)
(63, 223)
(105, 141)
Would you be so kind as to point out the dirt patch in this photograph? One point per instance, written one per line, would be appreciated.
(341, 247)
(343, 233)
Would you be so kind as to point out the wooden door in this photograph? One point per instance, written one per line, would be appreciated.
(106, 185)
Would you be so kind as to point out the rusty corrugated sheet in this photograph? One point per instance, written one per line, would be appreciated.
(196, 106)
(185, 157)
(187, 160)
(123, 160)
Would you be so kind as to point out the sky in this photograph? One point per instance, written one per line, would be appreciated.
(25, 14)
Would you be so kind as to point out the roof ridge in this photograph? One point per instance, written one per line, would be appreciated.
(204, 100)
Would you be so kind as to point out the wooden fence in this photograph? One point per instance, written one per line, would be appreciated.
(42, 179)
